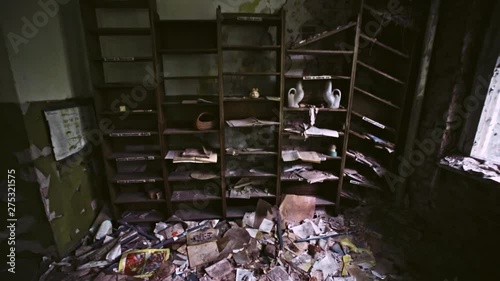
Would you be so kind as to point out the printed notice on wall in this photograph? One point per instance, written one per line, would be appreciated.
(67, 127)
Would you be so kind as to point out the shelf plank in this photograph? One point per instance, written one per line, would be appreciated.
(373, 122)
(350, 196)
(251, 73)
(172, 131)
(305, 77)
(247, 174)
(366, 93)
(187, 77)
(252, 197)
(247, 99)
(328, 157)
(250, 19)
(233, 212)
(200, 104)
(319, 109)
(121, 31)
(358, 135)
(133, 178)
(384, 15)
(319, 52)
(121, 4)
(196, 215)
(188, 51)
(380, 72)
(191, 195)
(118, 133)
(323, 202)
(376, 42)
(243, 153)
(135, 197)
(189, 21)
(131, 112)
(320, 201)
(250, 48)
(358, 183)
(124, 59)
(303, 180)
(184, 176)
(118, 85)
(284, 133)
(133, 156)
(154, 216)
(324, 35)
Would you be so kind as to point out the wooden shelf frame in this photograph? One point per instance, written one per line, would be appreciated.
(380, 72)
(163, 134)
(121, 200)
(277, 20)
(384, 46)
(324, 35)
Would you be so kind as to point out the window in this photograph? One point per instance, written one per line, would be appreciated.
(487, 140)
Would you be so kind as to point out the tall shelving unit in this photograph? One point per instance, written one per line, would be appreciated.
(154, 77)
(379, 100)
(245, 160)
(183, 95)
(324, 47)
(126, 107)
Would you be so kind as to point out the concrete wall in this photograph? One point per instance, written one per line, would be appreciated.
(38, 49)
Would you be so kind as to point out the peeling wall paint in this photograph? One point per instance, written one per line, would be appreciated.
(64, 191)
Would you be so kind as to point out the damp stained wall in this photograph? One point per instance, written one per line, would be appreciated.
(47, 67)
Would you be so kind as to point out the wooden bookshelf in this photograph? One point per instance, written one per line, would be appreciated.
(164, 120)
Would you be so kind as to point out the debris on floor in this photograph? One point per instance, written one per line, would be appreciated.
(294, 242)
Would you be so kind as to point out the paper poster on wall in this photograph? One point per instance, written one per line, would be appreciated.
(67, 127)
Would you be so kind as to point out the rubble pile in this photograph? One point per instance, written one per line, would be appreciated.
(292, 242)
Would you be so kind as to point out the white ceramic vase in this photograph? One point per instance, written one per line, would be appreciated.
(332, 97)
(295, 95)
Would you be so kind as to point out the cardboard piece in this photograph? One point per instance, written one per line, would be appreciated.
(278, 273)
(202, 254)
(296, 208)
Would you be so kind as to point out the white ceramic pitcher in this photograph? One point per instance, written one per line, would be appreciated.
(295, 95)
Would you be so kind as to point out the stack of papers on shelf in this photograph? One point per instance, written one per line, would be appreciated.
(306, 156)
(195, 159)
(316, 176)
(313, 131)
(273, 98)
(367, 161)
(191, 156)
(193, 152)
(299, 167)
(247, 188)
(306, 131)
(235, 151)
(250, 122)
(196, 101)
(359, 179)
(389, 146)
(306, 172)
